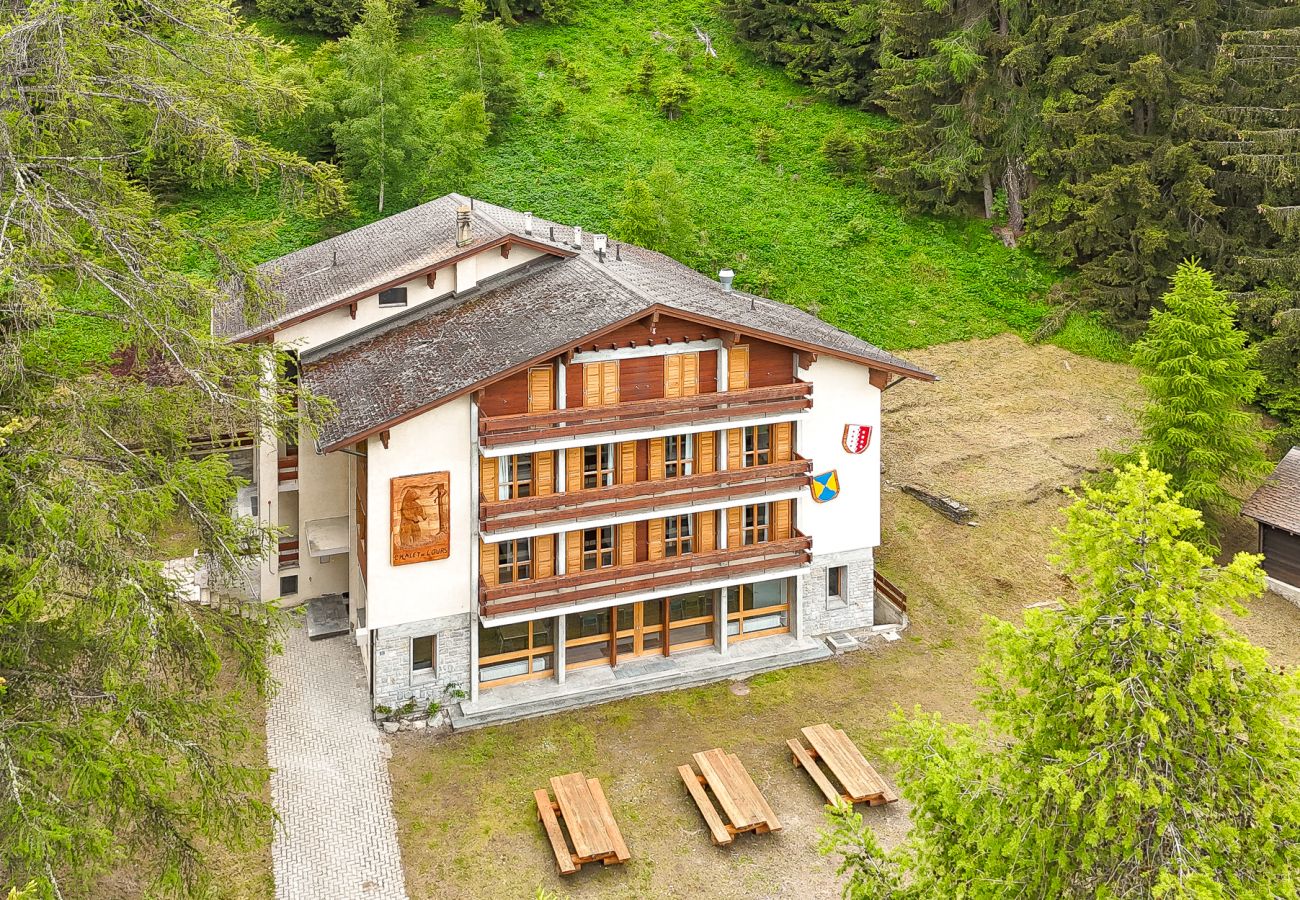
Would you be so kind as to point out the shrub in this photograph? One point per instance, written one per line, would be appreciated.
(674, 94)
(645, 73)
(764, 135)
(842, 151)
(555, 106)
(578, 76)
(333, 17)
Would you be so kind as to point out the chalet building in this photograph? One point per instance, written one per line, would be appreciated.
(1276, 507)
(559, 470)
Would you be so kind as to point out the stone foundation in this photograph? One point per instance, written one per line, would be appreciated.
(394, 681)
(822, 614)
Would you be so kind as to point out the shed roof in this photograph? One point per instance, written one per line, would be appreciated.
(1277, 501)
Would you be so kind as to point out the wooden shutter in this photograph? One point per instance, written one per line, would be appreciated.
(627, 462)
(573, 469)
(690, 366)
(735, 443)
(544, 472)
(487, 562)
(706, 452)
(656, 455)
(673, 375)
(608, 383)
(782, 445)
(706, 531)
(573, 552)
(487, 478)
(781, 519)
(627, 543)
(738, 368)
(655, 539)
(591, 384)
(541, 389)
(733, 528)
(544, 555)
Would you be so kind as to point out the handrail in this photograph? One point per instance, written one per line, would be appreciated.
(892, 592)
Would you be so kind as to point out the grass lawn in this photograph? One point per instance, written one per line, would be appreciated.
(1009, 425)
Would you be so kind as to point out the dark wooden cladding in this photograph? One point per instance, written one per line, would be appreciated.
(506, 397)
(708, 371)
(640, 378)
(732, 484)
(647, 331)
(1281, 551)
(699, 408)
(769, 364)
(890, 591)
(571, 588)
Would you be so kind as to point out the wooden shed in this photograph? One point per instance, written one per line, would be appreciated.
(1276, 507)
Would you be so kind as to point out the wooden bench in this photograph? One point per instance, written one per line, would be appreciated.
(861, 782)
(736, 793)
(581, 803)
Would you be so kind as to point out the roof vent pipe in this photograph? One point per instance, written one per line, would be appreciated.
(726, 276)
(577, 236)
(528, 223)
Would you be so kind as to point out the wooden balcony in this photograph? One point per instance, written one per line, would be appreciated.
(641, 496)
(288, 553)
(287, 468)
(673, 575)
(496, 431)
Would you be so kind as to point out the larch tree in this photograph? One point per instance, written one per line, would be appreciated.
(655, 211)
(117, 743)
(1199, 375)
(1136, 746)
(382, 130)
(481, 63)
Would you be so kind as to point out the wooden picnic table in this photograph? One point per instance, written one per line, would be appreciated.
(740, 799)
(861, 782)
(581, 803)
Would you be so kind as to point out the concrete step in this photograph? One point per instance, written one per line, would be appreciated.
(465, 715)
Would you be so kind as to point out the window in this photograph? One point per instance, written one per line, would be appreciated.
(288, 585)
(837, 583)
(598, 548)
(598, 466)
(690, 620)
(424, 654)
(586, 639)
(514, 560)
(756, 527)
(393, 297)
(516, 652)
(758, 446)
(679, 454)
(515, 477)
(757, 609)
(677, 535)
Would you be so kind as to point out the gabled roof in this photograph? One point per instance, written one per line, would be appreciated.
(430, 355)
(366, 260)
(1277, 502)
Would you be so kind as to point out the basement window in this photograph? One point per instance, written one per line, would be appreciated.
(837, 578)
(288, 585)
(393, 297)
(424, 654)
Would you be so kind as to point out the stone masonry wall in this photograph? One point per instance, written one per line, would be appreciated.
(821, 614)
(395, 683)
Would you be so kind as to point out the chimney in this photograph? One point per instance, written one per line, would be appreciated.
(598, 242)
(464, 231)
(726, 276)
(528, 223)
(577, 236)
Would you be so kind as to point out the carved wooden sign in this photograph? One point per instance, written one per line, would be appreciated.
(421, 518)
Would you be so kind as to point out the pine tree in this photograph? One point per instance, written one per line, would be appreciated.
(332, 17)
(1136, 745)
(482, 62)
(121, 738)
(383, 131)
(1199, 376)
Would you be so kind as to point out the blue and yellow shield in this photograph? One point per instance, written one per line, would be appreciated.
(825, 486)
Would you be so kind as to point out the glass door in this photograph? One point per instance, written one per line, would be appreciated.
(640, 629)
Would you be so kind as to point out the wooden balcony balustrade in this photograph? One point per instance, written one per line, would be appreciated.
(288, 553)
(288, 468)
(517, 428)
(732, 484)
(678, 572)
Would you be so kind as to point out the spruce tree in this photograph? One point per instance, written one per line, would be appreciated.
(482, 62)
(655, 211)
(1199, 375)
(383, 131)
(1136, 745)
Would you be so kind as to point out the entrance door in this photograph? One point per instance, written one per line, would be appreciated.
(640, 629)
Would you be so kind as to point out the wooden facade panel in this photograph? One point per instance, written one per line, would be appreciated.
(706, 452)
(572, 470)
(1281, 551)
(735, 444)
(783, 441)
(770, 364)
(544, 555)
(505, 397)
(738, 368)
(487, 563)
(706, 531)
(708, 371)
(655, 465)
(600, 383)
(782, 527)
(487, 478)
(627, 462)
(544, 473)
(733, 527)
(640, 334)
(627, 544)
(641, 378)
(573, 551)
(655, 539)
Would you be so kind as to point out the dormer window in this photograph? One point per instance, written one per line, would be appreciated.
(393, 297)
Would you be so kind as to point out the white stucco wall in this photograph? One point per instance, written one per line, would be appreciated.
(323, 493)
(842, 394)
(437, 441)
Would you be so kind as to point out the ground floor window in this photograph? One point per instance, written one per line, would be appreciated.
(509, 653)
(640, 629)
(424, 654)
(586, 639)
(691, 620)
(757, 609)
(837, 580)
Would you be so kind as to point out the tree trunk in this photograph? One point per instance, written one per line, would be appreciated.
(381, 196)
(988, 196)
(1014, 183)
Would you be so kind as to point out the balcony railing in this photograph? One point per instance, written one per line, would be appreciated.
(288, 468)
(678, 573)
(496, 431)
(711, 487)
(289, 553)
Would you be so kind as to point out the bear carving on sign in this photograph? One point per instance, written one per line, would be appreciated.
(421, 518)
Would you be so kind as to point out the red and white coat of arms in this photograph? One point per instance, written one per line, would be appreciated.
(857, 438)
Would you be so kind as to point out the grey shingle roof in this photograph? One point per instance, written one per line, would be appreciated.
(1277, 502)
(433, 354)
(358, 262)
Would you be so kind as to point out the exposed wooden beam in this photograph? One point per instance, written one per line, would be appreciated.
(352, 309)
(879, 378)
(431, 278)
(654, 322)
(807, 358)
(384, 436)
(505, 249)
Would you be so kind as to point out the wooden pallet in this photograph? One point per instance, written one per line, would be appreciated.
(861, 782)
(735, 791)
(581, 803)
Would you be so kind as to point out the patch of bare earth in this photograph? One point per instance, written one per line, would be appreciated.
(1008, 426)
